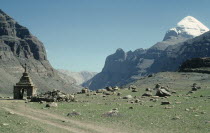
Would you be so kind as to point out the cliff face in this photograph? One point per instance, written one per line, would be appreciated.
(124, 67)
(17, 47)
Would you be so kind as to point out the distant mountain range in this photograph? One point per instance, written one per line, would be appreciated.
(17, 47)
(78, 77)
(189, 39)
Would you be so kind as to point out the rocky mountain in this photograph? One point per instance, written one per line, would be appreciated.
(78, 77)
(17, 47)
(178, 45)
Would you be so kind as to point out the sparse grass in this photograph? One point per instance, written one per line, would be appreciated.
(192, 112)
(19, 124)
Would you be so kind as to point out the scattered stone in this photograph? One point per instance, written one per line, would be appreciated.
(5, 124)
(151, 99)
(100, 90)
(162, 93)
(190, 92)
(134, 90)
(132, 87)
(147, 94)
(176, 118)
(130, 107)
(203, 112)
(107, 93)
(53, 104)
(155, 96)
(85, 90)
(187, 109)
(165, 103)
(207, 122)
(195, 87)
(168, 107)
(11, 113)
(42, 102)
(119, 94)
(157, 86)
(25, 122)
(173, 92)
(74, 113)
(132, 101)
(128, 97)
(109, 88)
(115, 88)
(111, 113)
(137, 101)
(151, 75)
(148, 89)
(154, 100)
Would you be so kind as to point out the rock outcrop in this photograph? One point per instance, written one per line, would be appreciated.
(17, 47)
(124, 67)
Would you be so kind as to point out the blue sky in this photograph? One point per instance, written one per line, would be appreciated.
(80, 34)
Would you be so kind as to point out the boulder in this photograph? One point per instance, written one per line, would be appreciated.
(111, 113)
(115, 88)
(148, 89)
(128, 97)
(119, 94)
(137, 101)
(162, 93)
(85, 90)
(53, 104)
(109, 88)
(147, 94)
(74, 113)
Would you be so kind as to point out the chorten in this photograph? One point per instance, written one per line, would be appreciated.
(25, 85)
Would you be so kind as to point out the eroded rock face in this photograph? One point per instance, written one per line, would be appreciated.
(17, 47)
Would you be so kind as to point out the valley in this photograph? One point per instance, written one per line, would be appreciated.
(186, 112)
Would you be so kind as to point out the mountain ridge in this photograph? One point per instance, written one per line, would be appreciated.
(123, 67)
(18, 47)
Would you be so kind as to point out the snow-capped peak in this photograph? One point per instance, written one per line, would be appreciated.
(188, 27)
(192, 26)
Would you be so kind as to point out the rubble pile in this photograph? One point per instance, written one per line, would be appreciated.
(53, 96)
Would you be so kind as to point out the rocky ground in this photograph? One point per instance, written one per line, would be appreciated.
(115, 109)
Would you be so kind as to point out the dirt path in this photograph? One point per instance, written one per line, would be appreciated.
(69, 125)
